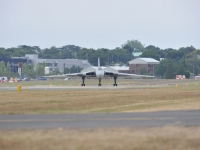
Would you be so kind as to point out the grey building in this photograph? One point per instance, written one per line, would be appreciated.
(59, 64)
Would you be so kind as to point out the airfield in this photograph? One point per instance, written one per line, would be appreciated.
(137, 114)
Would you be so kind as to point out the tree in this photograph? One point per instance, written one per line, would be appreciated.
(39, 70)
(5, 70)
(193, 62)
(85, 53)
(151, 47)
(175, 55)
(169, 74)
(187, 74)
(120, 55)
(181, 70)
(8, 70)
(28, 70)
(66, 70)
(151, 54)
(4, 54)
(143, 71)
(69, 51)
(187, 50)
(131, 45)
(52, 53)
(162, 67)
(2, 68)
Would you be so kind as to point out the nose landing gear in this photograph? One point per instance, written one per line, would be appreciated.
(83, 79)
(99, 82)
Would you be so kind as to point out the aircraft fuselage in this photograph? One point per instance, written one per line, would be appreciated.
(100, 73)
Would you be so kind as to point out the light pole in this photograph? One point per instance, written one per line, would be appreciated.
(193, 69)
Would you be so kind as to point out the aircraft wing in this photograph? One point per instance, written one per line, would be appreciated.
(134, 75)
(117, 74)
(81, 74)
(62, 75)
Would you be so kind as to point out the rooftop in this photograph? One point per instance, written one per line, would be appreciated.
(149, 59)
(144, 61)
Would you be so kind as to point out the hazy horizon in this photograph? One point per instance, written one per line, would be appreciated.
(100, 23)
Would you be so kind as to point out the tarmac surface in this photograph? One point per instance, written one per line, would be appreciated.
(101, 120)
(89, 87)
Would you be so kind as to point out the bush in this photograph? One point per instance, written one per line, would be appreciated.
(187, 74)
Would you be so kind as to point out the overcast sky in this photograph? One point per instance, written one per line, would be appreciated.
(99, 23)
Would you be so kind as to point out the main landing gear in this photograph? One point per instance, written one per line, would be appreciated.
(115, 83)
(83, 80)
(99, 82)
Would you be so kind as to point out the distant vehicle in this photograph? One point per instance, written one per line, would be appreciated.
(26, 79)
(17, 79)
(67, 79)
(42, 78)
(3, 79)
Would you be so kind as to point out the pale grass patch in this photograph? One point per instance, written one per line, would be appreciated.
(165, 138)
(98, 100)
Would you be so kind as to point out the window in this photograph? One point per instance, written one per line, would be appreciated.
(48, 64)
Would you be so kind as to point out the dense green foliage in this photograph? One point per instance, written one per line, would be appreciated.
(181, 61)
(6, 71)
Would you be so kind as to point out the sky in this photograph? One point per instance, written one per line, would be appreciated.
(99, 23)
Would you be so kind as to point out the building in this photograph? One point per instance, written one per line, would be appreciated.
(59, 64)
(143, 65)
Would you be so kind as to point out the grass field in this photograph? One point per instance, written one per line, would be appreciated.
(173, 97)
(160, 138)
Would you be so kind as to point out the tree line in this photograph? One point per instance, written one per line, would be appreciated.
(176, 61)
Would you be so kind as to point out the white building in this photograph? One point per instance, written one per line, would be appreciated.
(59, 64)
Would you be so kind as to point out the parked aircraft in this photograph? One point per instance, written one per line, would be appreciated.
(99, 73)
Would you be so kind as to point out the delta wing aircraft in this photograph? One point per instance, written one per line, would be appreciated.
(99, 72)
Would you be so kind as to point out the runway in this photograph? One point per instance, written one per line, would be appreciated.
(90, 87)
(140, 119)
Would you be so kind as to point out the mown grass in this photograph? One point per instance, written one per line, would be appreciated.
(173, 97)
(165, 138)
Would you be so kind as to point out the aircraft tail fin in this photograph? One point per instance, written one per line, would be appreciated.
(98, 62)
